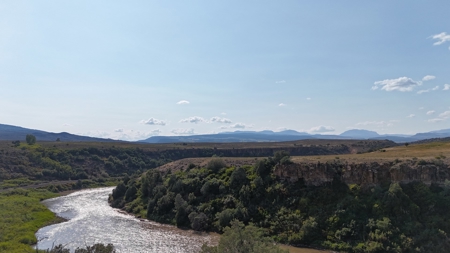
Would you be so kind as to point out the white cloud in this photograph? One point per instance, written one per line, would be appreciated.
(183, 102)
(381, 123)
(223, 113)
(365, 123)
(411, 116)
(194, 120)
(238, 125)
(153, 121)
(435, 120)
(423, 91)
(282, 104)
(428, 90)
(441, 38)
(182, 131)
(282, 81)
(443, 116)
(155, 132)
(400, 84)
(308, 98)
(430, 112)
(446, 87)
(428, 78)
(321, 129)
(123, 134)
(220, 120)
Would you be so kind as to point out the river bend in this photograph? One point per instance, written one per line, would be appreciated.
(91, 220)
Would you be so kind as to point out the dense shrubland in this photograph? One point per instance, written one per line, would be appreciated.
(386, 218)
(38, 163)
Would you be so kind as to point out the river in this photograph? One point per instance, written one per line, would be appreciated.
(91, 220)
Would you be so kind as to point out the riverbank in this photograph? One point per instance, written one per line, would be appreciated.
(21, 215)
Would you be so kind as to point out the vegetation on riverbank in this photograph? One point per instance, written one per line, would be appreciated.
(390, 217)
(238, 238)
(21, 215)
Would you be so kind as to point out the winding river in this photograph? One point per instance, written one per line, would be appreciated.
(91, 220)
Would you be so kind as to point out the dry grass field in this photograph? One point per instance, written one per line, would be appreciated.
(426, 151)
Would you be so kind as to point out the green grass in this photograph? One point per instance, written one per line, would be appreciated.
(21, 215)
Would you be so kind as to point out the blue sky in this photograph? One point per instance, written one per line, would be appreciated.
(130, 70)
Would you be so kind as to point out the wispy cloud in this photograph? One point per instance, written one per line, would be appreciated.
(423, 91)
(441, 117)
(281, 81)
(440, 38)
(194, 120)
(281, 104)
(446, 87)
(182, 131)
(239, 125)
(123, 134)
(411, 116)
(380, 123)
(428, 78)
(153, 121)
(428, 90)
(321, 129)
(430, 112)
(400, 84)
(220, 120)
(308, 98)
(183, 102)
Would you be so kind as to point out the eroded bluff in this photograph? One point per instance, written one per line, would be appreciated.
(364, 174)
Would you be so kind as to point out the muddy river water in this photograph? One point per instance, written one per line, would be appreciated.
(91, 220)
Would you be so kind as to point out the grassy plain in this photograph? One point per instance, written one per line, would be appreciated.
(183, 146)
(426, 151)
(21, 215)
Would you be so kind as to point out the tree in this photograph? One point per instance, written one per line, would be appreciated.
(31, 139)
(215, 164)
(243, 239)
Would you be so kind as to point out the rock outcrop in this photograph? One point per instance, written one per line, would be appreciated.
(364, 174)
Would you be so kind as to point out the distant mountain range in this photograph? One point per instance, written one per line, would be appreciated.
(291, 135)
(8, 132)
(13, 133)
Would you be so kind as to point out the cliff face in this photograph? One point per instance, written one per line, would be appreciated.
(364, 174)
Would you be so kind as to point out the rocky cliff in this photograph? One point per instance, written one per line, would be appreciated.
(365, 174)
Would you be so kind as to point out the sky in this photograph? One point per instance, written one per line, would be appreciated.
(133, 69)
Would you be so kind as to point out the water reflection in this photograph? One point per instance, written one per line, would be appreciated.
(92, 220)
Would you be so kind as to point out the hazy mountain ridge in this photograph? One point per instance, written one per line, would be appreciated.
(13, 133)
(9, 132)
(291, 135)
